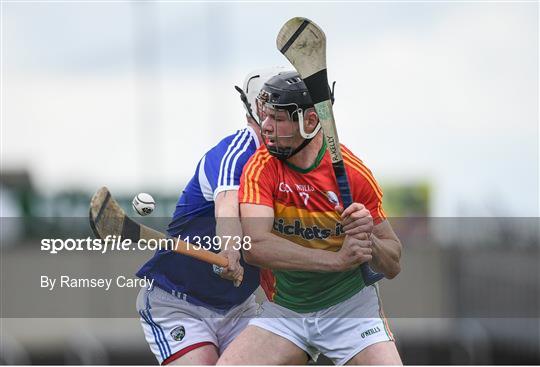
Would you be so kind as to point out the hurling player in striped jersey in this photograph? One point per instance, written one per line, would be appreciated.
(193, 312)
(309, 249)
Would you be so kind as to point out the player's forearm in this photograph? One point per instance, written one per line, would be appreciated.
(228, 226)
(230, 232)
(227, 216)
(386, 255)
(271, 251)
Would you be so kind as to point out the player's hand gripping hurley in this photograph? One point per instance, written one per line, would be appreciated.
(304, 44)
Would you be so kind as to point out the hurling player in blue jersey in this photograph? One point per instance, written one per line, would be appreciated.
(194, 312)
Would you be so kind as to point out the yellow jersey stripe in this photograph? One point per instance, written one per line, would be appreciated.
(361, 164)
(252, 175)
(256, 178)
(358, 163)
(252, 183)
(368, 175)
(247, 183)
(380, 210)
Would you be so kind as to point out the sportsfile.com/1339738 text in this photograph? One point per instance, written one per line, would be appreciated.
(118, 243)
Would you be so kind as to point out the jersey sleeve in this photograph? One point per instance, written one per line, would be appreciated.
(224, 164)
(256, 184)
(364, 188)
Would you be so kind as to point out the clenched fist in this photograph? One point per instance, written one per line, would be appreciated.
(356, 249)
(356, 219)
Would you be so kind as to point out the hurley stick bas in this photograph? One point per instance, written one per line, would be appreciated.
(303, 43)
(107, 218)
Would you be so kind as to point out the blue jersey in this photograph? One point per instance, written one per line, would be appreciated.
(219, 170)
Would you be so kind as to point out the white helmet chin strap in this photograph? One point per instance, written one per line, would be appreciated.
(303, 132)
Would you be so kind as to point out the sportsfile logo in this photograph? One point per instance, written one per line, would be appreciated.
(370, 332)
(307, 233)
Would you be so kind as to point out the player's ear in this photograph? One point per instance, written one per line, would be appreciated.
(312, 119)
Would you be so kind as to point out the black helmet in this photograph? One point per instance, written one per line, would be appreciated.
(286, 91)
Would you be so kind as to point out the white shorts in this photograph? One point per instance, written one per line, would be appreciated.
(339, 332)
(173, 326)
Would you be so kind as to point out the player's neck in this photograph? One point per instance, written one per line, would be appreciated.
(307, 156)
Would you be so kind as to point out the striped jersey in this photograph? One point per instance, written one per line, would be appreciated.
(303, 201)
(218, 170)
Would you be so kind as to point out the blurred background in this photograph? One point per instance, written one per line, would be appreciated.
(439, 99)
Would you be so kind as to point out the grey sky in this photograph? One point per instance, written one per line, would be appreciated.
(438, 92)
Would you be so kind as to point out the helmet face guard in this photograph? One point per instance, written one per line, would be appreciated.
(280, 144)
(279, 141)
